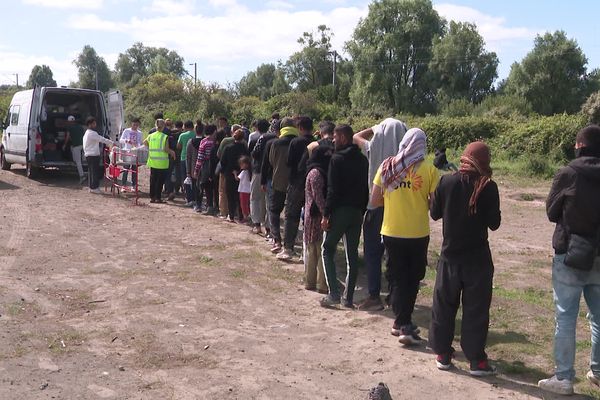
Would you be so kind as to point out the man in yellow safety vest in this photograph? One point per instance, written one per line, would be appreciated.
(158, 160)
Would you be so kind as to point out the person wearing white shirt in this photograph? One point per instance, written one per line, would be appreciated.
(91, 150)
(131, 138)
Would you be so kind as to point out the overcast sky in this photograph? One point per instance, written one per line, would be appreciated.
(227, 38)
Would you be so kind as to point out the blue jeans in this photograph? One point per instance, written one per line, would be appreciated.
(373, 248)
(568, 284)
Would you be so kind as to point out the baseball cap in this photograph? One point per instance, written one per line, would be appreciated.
(70, 118)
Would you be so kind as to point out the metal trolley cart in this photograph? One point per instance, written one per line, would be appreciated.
(116, 162)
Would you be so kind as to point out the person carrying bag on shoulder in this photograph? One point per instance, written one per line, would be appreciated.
(573, 204)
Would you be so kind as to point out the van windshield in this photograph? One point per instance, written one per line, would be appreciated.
(63, 116)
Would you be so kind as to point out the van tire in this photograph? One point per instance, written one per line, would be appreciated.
(4, 165)
(31, 171)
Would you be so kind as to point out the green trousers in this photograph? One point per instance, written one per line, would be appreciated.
(345, 223)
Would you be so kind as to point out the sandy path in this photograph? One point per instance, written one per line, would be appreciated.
(102, 299)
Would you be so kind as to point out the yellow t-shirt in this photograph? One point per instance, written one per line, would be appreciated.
(406, 209)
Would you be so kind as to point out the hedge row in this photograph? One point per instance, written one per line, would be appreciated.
(547, 136)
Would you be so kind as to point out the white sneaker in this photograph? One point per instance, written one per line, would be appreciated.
(594, 380)
(555, 385)
(286, 254)
(95, 191)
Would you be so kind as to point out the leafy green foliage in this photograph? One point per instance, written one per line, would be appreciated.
(41, 76)
(389, 48)
(591, 108)
(460, 66)
(140, 61)
(553, 137)
(92, 69)
(552, 76)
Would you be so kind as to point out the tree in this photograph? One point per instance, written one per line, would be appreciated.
(552, 76)
(390, 49)
(41, 76)
(460, 66)
(258, 83)
(140, 61)
(93, 71)
(312, 66)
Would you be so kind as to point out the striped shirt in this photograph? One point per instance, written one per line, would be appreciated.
(204, 149)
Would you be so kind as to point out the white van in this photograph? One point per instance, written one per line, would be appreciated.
(35, 125)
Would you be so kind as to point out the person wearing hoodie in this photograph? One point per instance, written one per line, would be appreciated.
(277, 162)
(346, 201)
(573, 205)
(469, 204)
(295, 190)
(378, 143)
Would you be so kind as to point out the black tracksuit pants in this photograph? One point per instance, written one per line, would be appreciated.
(407, 260)
(469, 280)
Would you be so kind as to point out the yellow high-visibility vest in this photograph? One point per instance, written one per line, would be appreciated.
(158, 158)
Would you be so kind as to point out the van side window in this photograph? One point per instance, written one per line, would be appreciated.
(14, 115)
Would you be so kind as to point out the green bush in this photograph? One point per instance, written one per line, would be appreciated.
(457, 132)
(591, 108)
(552, 137)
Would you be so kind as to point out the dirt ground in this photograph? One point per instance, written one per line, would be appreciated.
(101, 299)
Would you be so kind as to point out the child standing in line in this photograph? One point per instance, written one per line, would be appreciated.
(244, 188)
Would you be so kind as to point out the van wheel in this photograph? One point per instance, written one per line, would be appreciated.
(31, 171)
(3, 163)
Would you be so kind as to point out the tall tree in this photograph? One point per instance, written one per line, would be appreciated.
(312, 66)
(258, 83)
(41, 75)
(93, 71)
(390, 49)
(460, 65)
(140, 61)
(552, 76)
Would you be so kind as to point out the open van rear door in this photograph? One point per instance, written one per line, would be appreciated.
(116, 117)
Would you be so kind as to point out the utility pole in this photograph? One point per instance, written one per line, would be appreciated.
(333, 80)
(195, 73)
(17, 76)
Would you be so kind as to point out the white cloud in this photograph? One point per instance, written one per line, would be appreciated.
(67, 4)
(494, 30)
(278, 4)
(229, 38)
(63, 70)
(171, 7)
(92, 22)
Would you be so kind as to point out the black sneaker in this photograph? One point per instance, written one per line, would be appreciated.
(397, 331)
(444, 361)
(482, 368)
(409, 337)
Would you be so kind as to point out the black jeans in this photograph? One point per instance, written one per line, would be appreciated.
(157, 180)
(472, 280)
(211, 194)
(407, 260)
(277, 203)
(95, 172)
(293, 210)
(233, 198)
